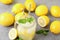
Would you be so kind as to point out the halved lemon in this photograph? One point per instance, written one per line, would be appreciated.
(43, 21)
(12, 34)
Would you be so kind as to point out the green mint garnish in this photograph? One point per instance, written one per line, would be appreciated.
(26, 20)
(22, 21)
(30, 19)
(44, 32)
(39, 32)
(20, 39)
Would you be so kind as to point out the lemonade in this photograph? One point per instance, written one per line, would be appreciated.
(26, 28)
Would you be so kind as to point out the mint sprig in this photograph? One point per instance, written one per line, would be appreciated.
(26, 20)
(44, 32)
(30, 19)
(20, 39)
(22, 21)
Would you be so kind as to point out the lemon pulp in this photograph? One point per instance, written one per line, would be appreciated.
(12, 34)
(43, 21)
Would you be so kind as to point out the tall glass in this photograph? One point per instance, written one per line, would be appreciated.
(27, 30)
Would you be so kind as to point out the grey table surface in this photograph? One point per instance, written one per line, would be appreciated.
(7, 8)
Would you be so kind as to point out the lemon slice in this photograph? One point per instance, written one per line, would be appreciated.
(12, 33)
(43, 21)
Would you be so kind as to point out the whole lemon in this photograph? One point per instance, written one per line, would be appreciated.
(29, 0)
(30, 5)
(20, 15)
(18, 8)
(41, 10)
(55, 11)
(6, 19)
(55, 27)
(6, 1)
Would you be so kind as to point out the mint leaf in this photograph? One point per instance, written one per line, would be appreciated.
(26, 20)
(20, 39)
(39, 32)
(30, 19)
(44, 32)
(22, 21)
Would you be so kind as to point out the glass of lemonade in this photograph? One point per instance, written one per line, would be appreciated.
(26, 28)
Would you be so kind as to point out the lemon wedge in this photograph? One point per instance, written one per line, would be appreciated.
(43, 21)
(12, 34)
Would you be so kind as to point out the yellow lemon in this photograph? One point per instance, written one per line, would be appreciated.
(13, 34)
(30, 5)
(55, 11)
(29, 0)
(6, 19)
(18, 8)
(41, 10)
(43, 21)
(55, 27)
(6, 1)
(20, 15)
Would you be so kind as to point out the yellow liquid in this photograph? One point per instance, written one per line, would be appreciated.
(26, 33)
